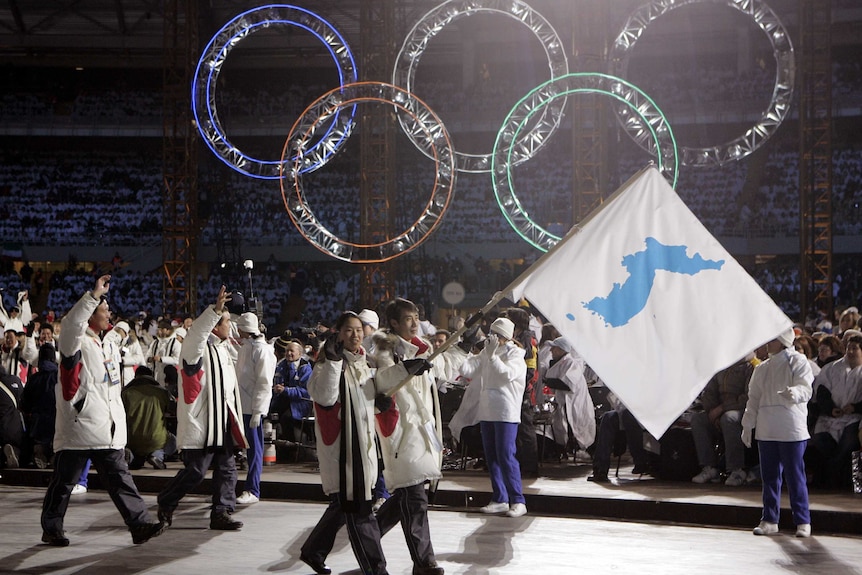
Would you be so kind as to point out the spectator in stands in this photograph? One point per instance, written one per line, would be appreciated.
(209, 423)
(830, 349)
(839, 402)
(39, 405)
(146, 404)
(575, 411)
(255, 368)
(778, 395)
(163, 354)
(11, 420)
(90, 382)
(723, 399)
(290, 398)
(611, 422)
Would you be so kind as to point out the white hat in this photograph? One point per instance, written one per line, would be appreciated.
(369, 317)
(123, 326)
(787, 337)
(181, 332)
(248, 323)
(503, 326)
(563, 344)
(14, 324)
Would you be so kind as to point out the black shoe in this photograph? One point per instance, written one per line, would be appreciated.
(146, 531)
(316, 564)
(598, 478)
(642, 470)
(166, 515)
(432, 569)
(55, 539)
(156, 463)
(224, 522)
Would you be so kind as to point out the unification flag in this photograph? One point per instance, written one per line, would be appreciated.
(654, 304)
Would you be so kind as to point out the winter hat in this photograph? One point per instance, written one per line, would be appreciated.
(369, 317)
(503, 326)
(123, 326)
(563, 344)
(181, 332)
(14, 324)
(787, 337)
(248, 323)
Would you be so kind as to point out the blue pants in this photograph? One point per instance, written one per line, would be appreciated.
(498, 440)
(85, 473)
(786, 456)
(255, 456)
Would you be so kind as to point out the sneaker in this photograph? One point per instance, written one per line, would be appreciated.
(247, 498)
(495, 507)
(803, 530)
(516, 510)
(146, 531)
(55, 539)
(39, 457)
(378, 504)
(766, 528)
(753, 477)
(79, 489)
(736, 478)
(707, 475)
(11, 453)
(156, 463)
(224, 522)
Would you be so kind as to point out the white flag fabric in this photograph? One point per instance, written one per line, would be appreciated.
(651, 300)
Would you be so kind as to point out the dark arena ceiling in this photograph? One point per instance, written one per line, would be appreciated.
(129, 33)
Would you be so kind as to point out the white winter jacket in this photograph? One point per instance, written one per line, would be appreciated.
(502, 378)
(90, 412)
(776, 417)
(410, 453)
(329, 407)
(255, 368)
(208, 405)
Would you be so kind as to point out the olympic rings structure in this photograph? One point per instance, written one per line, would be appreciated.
(325, 125)
(423, 121)
(435, 20)
(782, 93)
(213, 58)
(642, 117)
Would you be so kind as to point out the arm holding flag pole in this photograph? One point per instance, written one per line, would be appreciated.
(501, 295)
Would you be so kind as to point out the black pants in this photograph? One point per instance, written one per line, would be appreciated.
(527, 451)
(196, 462)
(409, 505)
(115, 476)
(362, 530)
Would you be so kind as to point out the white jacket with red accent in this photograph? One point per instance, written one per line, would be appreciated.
(324, 386)
(208, 406)
(90, 412)
(407, 430)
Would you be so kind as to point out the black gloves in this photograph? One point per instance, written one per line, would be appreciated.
(382, 402)
(470, 338)
(556, 383)
(416, 366)
(332, 348)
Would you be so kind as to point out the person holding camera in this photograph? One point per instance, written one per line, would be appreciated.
(209, 421)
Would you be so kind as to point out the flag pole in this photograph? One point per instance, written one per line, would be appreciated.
(501, 295)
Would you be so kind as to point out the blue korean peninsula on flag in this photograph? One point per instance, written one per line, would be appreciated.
(651, 300)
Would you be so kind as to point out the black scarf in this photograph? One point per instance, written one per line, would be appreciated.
(350, 459)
